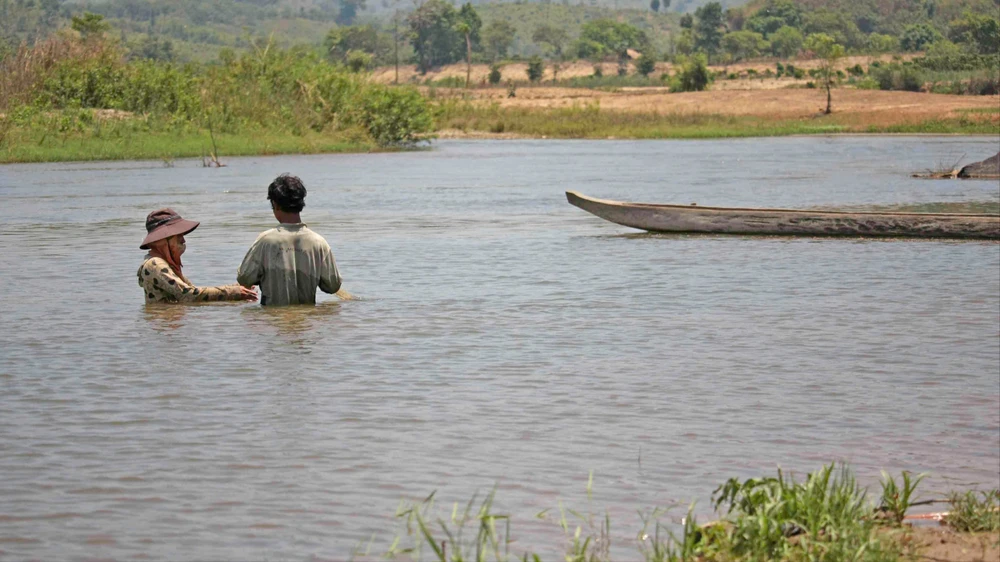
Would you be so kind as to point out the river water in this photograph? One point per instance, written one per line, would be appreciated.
(505, 338)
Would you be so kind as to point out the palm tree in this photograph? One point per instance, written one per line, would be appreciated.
(464, 29)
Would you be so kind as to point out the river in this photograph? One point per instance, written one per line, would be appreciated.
(504, 339)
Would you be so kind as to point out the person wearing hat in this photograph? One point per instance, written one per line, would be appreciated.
(291, 261)
(160, 274)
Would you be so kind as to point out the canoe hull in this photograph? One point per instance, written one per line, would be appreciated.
(782, 222)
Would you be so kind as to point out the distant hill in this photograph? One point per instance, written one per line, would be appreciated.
(891, 16)
(679, 6)
(197, 29)
(525, 17)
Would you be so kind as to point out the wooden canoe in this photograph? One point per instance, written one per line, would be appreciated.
(720, 220)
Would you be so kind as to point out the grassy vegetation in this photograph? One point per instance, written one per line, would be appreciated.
(827, 517)
(43, 146)
(592, 122)
(81, 98)
(973, 513)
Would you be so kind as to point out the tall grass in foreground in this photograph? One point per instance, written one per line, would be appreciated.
(827, 517)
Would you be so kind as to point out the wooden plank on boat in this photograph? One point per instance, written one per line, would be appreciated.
(722, 220)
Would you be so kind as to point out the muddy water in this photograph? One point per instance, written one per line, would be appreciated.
(505, 339)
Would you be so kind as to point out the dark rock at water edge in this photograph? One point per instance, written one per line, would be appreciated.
(989, 168)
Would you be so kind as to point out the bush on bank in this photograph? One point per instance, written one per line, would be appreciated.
(268, 90)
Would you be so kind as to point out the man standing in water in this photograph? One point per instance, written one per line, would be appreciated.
(289, 262)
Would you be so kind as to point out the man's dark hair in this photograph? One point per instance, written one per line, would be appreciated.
(288, 193)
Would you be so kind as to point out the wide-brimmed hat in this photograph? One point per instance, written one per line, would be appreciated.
(165, 223)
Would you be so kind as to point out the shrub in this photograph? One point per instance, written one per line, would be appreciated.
(917, 37)
(867, 83)
(645, 65)
(535, 69)
(495, 75)
(692, 76)
(896, 76)
(856, 70)
(943, 60)
(394, 116)
(897, 499)
(794, 72)
(779, 69)
(984, 85)
(970, 514)
(359, 60)
(828, 514)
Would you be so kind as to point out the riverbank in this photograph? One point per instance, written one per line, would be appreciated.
(534, 112)
(827, 516)
(653, 113)
(24, 146)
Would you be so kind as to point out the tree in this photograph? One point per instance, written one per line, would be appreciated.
(497, 39)
(836, 24)
(468, 26)
(154, 48)
(340, 41)
(603, 37)
(470, 17)
(980, 31)
(708, 29)
(735, 19)
(878, 43)
(646, 64)
(433, 35)
(685, 43)
(90, 25)
(692, 74)
(786, 42)
(826, 48)
(744, 44)
(463, 29)
(773, 16)
(654, 5)
(358, 60)
(555, 37)
(348, 11)
(919, 36)
(495, 74)
(535, 69)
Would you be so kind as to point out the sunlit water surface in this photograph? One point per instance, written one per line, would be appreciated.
(505, 338)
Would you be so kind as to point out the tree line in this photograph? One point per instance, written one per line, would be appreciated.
(437, 33)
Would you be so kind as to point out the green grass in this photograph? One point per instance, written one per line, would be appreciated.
(896, 498)
(973, 513)
(590, 122)
(612, 81)
(957, 126)
(827, 517)
(982, 110)
(38, 146)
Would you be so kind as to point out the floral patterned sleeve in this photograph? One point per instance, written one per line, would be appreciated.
(161, 284)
